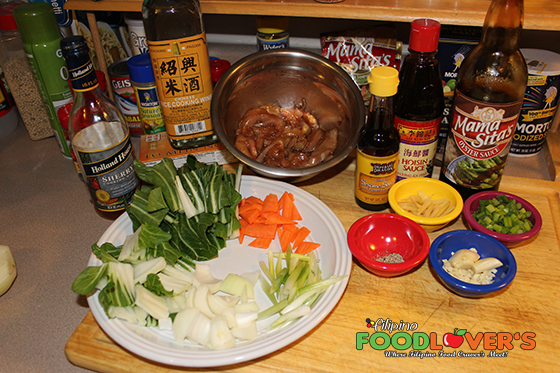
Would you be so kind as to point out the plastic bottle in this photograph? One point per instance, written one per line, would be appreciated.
(41, 38)
(488, 97)
(178, 48)
(99, 135)
(143, 82)
(378, 144)
(272, 33)
(419, 102)
(20, 79)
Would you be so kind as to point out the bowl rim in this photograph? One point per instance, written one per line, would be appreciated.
(509, 238)
(420, 219)
(467, 287)
(289, 172)
(389, 267)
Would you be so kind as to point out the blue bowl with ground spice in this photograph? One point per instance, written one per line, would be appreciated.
(388, 245)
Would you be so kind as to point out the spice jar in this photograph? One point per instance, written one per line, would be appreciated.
(20, 78)
(145, 90)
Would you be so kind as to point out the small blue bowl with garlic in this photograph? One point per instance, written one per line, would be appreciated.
(472, 264)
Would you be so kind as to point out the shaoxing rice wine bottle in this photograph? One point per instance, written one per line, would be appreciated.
(490, 89)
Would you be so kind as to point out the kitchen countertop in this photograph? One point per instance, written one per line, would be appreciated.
(49, 223)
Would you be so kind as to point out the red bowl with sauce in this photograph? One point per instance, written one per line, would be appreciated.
(289, 79)
(382, 236)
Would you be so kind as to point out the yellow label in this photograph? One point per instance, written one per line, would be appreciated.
(374, 177)
(184, 84)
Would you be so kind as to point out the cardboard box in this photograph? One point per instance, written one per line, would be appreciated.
(155, 147)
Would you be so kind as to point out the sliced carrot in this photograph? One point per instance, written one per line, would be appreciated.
(253, 199)
(244, 224)
(285, 237)
(289, 210)
(261, 230)
(301, 235)
(270, 203)
(262, 243)
(290, 227)
(275, 218)
(249, 207)
(285, 196)
(251, 216)
(306, 247)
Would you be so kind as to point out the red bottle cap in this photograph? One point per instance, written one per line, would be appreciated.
(7, 20)
(424, 35)
(218, 68)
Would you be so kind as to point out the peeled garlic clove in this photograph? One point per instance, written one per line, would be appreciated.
(464, 259)
(486, 264)
(8, 270)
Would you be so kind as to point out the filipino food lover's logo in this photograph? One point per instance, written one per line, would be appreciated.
(394, 338)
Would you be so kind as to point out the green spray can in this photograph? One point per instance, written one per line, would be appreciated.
(41, 38)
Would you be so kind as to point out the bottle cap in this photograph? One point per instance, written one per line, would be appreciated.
(140, 68)
(272, 24)
(218, 68)
(7, 20)
(424, 35)
(36, 23)
(383, 81)
(73, 45)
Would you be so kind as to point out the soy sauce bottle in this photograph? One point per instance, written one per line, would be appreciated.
(419, 102)
(378, 144)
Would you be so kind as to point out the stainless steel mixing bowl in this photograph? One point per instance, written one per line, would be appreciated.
(288, 77)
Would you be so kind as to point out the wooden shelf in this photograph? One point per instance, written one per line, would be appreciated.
(539, 14)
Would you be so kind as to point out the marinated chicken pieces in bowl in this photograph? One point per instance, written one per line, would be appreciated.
(284, 137)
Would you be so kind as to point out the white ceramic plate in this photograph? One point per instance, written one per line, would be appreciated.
(334, 256)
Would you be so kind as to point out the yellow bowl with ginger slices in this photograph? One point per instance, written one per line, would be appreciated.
(432, 192)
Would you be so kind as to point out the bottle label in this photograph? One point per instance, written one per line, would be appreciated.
(418, 147)
(82, 77)
(374, 177)
(479, 141)
(150, 110)
(109, 173)
(265, 43)
(184, 83)
(127, 103)
(5, 104)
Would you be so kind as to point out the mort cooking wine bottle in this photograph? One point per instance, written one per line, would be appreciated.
(488, 97)
(378, 144)
(419, 102)
(179, 52)
(99, 135)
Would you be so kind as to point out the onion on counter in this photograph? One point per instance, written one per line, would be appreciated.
(8, 270)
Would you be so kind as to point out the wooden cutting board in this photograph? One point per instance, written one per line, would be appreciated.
(530, 305)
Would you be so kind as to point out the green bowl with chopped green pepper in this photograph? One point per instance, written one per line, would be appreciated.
(509, 218)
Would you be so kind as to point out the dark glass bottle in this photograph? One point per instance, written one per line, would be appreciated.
(179, 52)
(488, 97)
(99, 135)
(419, 102)
(378, 144)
